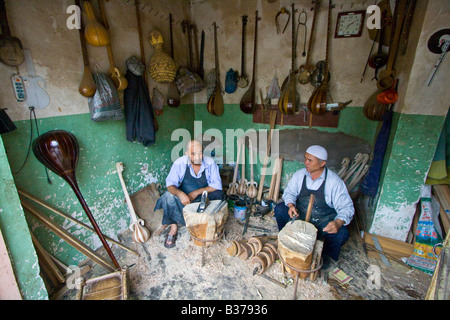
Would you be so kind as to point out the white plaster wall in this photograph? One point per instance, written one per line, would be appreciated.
(56, 50)
(415, 96)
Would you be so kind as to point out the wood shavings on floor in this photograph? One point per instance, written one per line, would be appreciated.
(177, 273)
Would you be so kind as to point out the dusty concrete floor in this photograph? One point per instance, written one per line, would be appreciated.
(177, 274)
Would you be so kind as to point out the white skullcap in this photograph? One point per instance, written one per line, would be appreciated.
(318, 152)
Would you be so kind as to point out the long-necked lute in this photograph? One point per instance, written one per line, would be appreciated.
(248, 103)
(289, 99)
(317, 103)
(215, 101)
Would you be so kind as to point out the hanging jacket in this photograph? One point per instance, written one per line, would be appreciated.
(138, 111)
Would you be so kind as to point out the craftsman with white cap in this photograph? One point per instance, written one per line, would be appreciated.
(333, 208)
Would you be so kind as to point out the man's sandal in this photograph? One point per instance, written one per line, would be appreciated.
(170, 238)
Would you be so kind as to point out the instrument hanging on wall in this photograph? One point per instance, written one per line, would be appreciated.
(243, 80)
(162, 68)
(11, 50)
(95, 33)
(215, 101)
(140, 233)
(194, 31)
(187, 80)
(282, 11)
(443, 45)
(248, 103)
(201, 70)
(58, 150)
(302, 22)
(387, 76)
(173, 96)
(317, 103)
(290, 98)
(305, 70)
(36, 95)
(87, 86)
(120, 82)
(141, 46)
(379, 60)
(374, 110)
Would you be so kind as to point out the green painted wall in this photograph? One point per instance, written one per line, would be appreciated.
(17, 237)
(102, 144)
(411, 148)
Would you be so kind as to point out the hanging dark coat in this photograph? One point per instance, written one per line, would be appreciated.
(140, 124)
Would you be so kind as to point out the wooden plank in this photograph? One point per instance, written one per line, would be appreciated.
(69, 238)
(393, 247)
(47, 260)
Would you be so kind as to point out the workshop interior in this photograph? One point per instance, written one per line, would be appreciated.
(311, 118)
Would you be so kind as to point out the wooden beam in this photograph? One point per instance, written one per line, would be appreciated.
(69, 238)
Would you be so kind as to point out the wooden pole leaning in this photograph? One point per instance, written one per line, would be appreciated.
(69, 238)
(70, 218)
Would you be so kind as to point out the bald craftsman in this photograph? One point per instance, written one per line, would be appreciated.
(333, 208)
(189, 176)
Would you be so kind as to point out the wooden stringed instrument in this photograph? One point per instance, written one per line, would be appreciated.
(58, 150)
(248, 103)
(289, 99)
(95, 33)
(173, 96)
(120, 82)
(87, 86)
(11, 50)
(387, 76)
(378, 60)
(305, 70)
(243, 80)
(215, 101)
(317, 103)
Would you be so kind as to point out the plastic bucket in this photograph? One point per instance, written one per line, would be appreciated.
(231, 200)
(240, 209)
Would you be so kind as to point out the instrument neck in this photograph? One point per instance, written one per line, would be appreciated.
(244, 22)
(325, 75)
(171, 36)
(216, 53)
(293, 39)
(311, 36)
(255, 46)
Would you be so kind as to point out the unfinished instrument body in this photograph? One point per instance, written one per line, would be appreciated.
(296, 243)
